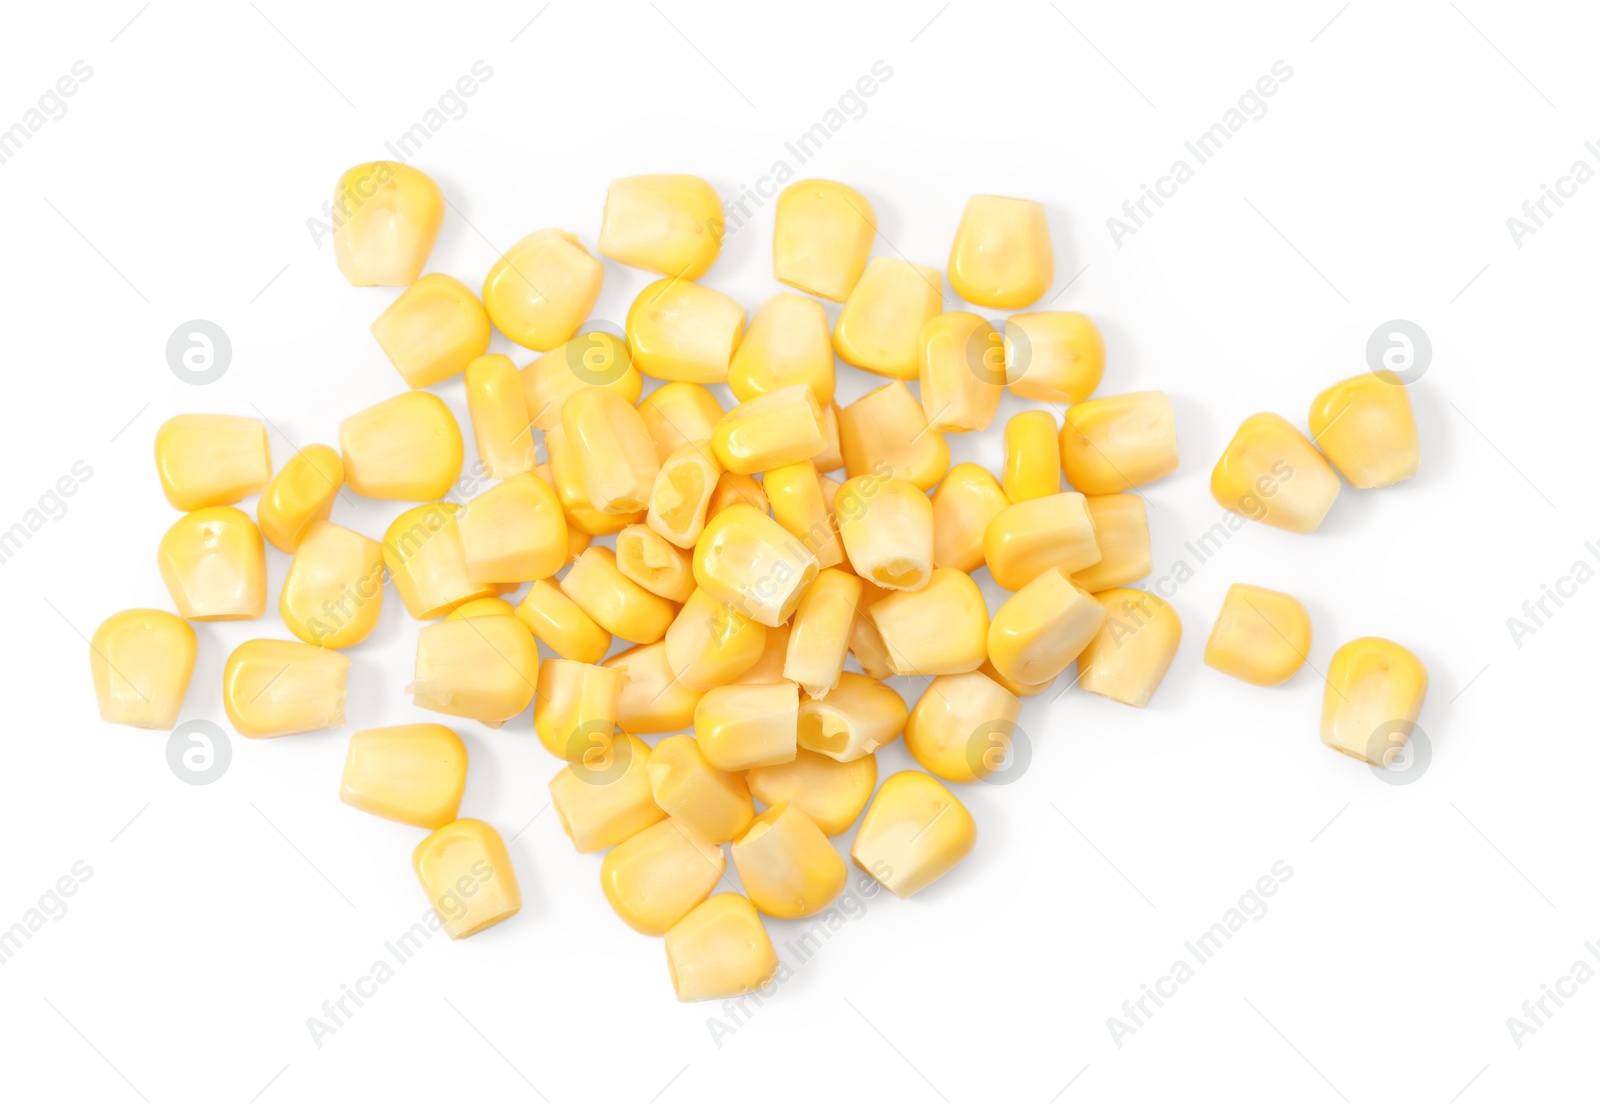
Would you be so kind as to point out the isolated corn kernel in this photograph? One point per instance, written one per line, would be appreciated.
(412, 774)
(880, 322)
(1365, 427)
(482, 608)
(1127, 659)
(937, 629)
(787, 865)
(961, 728)
(483, 668)
(604, 799)
(886, 526)
(821, 236)
(301, 493)
(1032, 466)
(333, 592)
(820, 634)
(566, 472)
(961, 372)
(215, 565)
(616, 457)
(514, 531)
(592, 360)
(408, 447)
(857, 717)
(386, 217)
(720, 950)
(831, 456)
(669, 223)
(710, 643)
(678, 413)
(562, 625)
(498, 408)
(787, 343)
(680, 330)
(597, 585)
(1272, 474)
(768, 668)
(713, 804)
(1021, 691)
(1053, 531)
(832, 794)
(1261, 636)
(1115, 443)
(965, 502)
(1053, 356)
(749, 562)
(575, 710)
(433, 331)
(1002, 255)
(1041, 629)
(1374, 694)
(141, 661)
(272, 688)
(1122, 531)
(540, 292)
(888, 428)
(733, 489)
(652, 699)
(654, 563)
(658, 875)
(805, 510)
(778, 428)
(914, 832)
(422, 551)
(747, 725)
(211, 460)
(466, 873)
(682, 492)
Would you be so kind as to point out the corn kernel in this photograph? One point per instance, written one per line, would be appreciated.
(710, 803)
(1054, 356)
(515, 531)
(652, 699)
(466, 873)
(540, 292)
(302, 493)
(215, 565)
(888, 427)
(1272, 474)
(1365, 427)
(1261, 637)
(821, 235)
(1127, 659)
(592, 360)
(880, 322)
(333, 592)
(681, 494)
(408, 447)
(733, 489)
(654, 878)
(1053, 531)
(1002, 256)
(854, 719)
(966, 501)
(788, 867)
(1374, 694)
(412, 774)
(801, 507)
(710, 643)
(654, 563)
(485, 607)
(561, 624)
(720, 950)
(616, 457)
(1021, 691)
(567, 478)
(831, 456)
(1032, 466)
(1115, 443)
(961, 728)
(914, 832)
(669, 223)
(939, 629)
(821, 632)
(778, 428)
(768, 668)
(1041, 629)
(575, 710)
(749, 562)
(273, 688)
(678, 413)
(141, 661)
(618, 604)
(680, 330)
(211, 460)
(499, 411)
(748, 725)
(604, 799)
(961, 370)
(787, 343)
(423, 553)
(483, 668)
(433, 331)
(887, 530)
(832, 794)
(1122, 531)
(866, 644)
(387, 216)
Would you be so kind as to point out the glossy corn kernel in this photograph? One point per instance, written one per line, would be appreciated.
(1115, 443)
(1032, 466)
(961, 728)
(333, 592)
(888, 428)
(820, 634)
(576, 707)
(1053, 531)
(1271, 473)
(515, 531)
(787, 865)
(483, 668)
(669, 223)
(423, 553)
(680, 330)
(749, 562)
(682, 493)
(498, 408)
(540, 292)
(141, 661)
(211, 460)
(778, 428)
(1041, 629)
(733, 489)
(720, 950)
(821, 236)
(710, 643)
(880, 322)
(597, 585)
(1365, 427)
(1261, 636)
(1021, 691)
(961, 372)
(787, 343)
(831, 456)
(867, 647)
(857, 717)
(482, 608)
(1054, 356)
(386, 217)
(433, 331)
(567, 478)
(273, 688)
(616, 457)
(768, 668)
(604, 799)
(938, 629)
(593, 360)
(215, 565)
(1374, 694)
(652, 699)
(466, 873)
(678, 413)
(654, 563)
(801, 507)
(886, 526)
(966, 501)
(1127, 659)
(301, 493)
(1122, 531)
(561, 624)
(1002, 256)
(713, 804)
(412, 774)
(914, 832)
(832, 794)
(408, 447)
(654, 878)
(744, 726)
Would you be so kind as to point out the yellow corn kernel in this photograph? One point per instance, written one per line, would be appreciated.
(499, 411)
(914, 832)
(561, 624)
(788, 867)
(1122, 531)
(831, 456)
(597, 585)
(749, 562)
(652, 699)
(1053, 531)
(302, 493)
(748, 725)
(821, 235)
(857, 717)
(333, 592)
(966, 501)
(1032, 466)
(482, 608)
(211, 460)
(604, 799)
(680, 330)
(616, 457)
(1374, 694)
(1021, 691)
(778, 428)
(542, 290)
(733, 489)
(1115, 443)
(768, 668)
(820, 635)
(466, 873)
(682, 493)
(566, 471)
(888, 427)
(577, 541)
(575, 710)
(515, 531)
(654, 563)
(422, 551)
(961, 370)
(866, 644)
(1365, 427)
(1054, 356)
(669, 223)
(1272, 474)
(880, 322)
(215, 565)
(939, 629)
(408, 447)
(386, 218)
(713, 804)
(720, 950)
(433, 331)
(1134, 648)
(801, 507)
(141, 661)
(272, 688)
(886, 526)
(483, 668)
(787, 343)
(412, 774)
(961, 728)
(710, 643)
(1002, 256)
(832, 794)
(1261, 636)
(654, 878)
(592, 360)
(1041, 629)
(678, 413)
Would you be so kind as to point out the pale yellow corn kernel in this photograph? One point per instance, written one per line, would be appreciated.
(680, 330)
(768, 668)
(652, 699)
(1261, 636)
(1374, 694)
(576, 707)
(1002, 255)
(514, 531)
(604, 798)
(422, 551)
(1122, 531)
(1054, 356)
(720, 950)
(566, 471)
(857, 717)
(433, 331)
(832, 794)
(961, 372)
(886, 526)
(592, 360)
(749, 562)
(831, 456)
(778, 428)
(939, 629)
(482, 608)
(386, 217)
(669, 223)
(483, 668)
(682, 493)
(1032, 465)
(787, 343)
(748, 725)
(788, 867)
(561, 624)
(965, 502)
(678, 413)
(1021, 691)
(1041, 629)
(1053, 531)
(914, 832)
(1134, 648)
(880, 322)
(540, 292)
(654, 563)
(408, 447)
(888, 427)
(1115, 443)
(301, 493)
(499, 412)
(710, 643)
(866, 644)
(1365, 427)
(654, 878)
(961, 728)
(466, 873)
(211, 460)
(733, 489)
(597, 585)
(713, 804)
(801, 507)
(1271, 473)
(412, 774)
(616, 458)
(333, 592)
(215, 565)
(820, 634)
(822, 234)
(141, 661)
(273, 688)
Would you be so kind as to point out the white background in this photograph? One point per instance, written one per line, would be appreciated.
(1419, 918)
